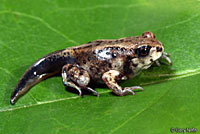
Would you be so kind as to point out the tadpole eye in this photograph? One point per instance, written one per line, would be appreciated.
(148, 35)
(143, 51)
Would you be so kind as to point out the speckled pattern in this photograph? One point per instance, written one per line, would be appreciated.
(101, 61)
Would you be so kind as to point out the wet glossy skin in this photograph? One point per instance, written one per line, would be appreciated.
(100, 61)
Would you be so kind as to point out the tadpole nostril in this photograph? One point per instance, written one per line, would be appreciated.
(159, 49)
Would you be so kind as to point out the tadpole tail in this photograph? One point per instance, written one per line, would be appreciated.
(43, 68)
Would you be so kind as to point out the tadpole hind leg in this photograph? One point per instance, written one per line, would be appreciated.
(76, 77)
(92, 91)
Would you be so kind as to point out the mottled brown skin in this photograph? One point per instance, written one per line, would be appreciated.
(100, 61)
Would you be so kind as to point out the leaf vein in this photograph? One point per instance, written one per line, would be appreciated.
(138, 113)
(100, 6)
(7, 71)
(43, 22)
(178, 23)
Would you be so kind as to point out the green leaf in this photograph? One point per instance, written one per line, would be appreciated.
(32, 29)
